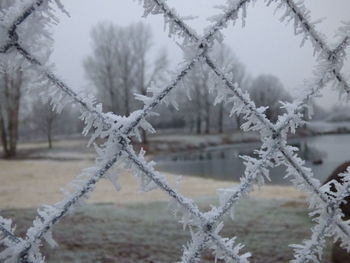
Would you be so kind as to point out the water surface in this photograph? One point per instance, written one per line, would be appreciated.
(223, 162)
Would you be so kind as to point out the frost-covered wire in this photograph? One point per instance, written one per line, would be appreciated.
(302, 178)
(160, 181)
(190, 215)
(311, 250)
(7, 231)
(300, 15)
(43, 226)
(116, 130)
(294, 118)
(63, 94)
(223, 248)
(226, 249)
(127, 126)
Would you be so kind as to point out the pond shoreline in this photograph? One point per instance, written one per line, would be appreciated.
(322, 153)
(169, 143)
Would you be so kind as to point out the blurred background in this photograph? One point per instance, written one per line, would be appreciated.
(107, 49)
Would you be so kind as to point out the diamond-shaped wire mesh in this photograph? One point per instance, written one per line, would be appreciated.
(116, 130)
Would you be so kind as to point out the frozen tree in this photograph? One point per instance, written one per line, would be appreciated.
(45, 123)
(146, 73)
(11, 89)
(226, 59)
(120, 65)
(268, 91)
(203, 113)
(15, 75)
(101, 67)
(44, 120)
(339, 113)
(11, 86)
(200, 106)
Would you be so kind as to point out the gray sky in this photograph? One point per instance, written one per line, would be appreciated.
(264, 45)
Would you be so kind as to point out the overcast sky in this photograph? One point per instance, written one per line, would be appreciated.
(264, 45)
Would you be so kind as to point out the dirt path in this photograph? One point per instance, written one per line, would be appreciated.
(31, 183)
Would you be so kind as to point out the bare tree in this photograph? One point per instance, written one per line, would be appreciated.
(267, 90)
(11, 82)
(101, 67)
(119, 65)
(15, 76)
(197, 81)
(44, 120)
(11, 86)
(146, 74)
(231, 65)
(204, 115)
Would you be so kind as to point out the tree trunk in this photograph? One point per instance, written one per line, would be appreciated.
(3, 136)
(143, 92)
(111, 89)
(207, 123)
(238, 123)
(198, 115)
(13, 129)
(12, 83)
(198, 124)
(126, 102)
(221, 118)
(16, 84)
(207, 113)
(49, 134)
(206, 102)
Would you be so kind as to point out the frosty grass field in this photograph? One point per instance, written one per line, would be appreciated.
(110, 216)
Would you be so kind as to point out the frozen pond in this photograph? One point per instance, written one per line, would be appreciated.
(223, 162)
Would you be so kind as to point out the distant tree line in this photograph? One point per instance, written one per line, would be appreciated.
(123, 62)
(120, 66)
